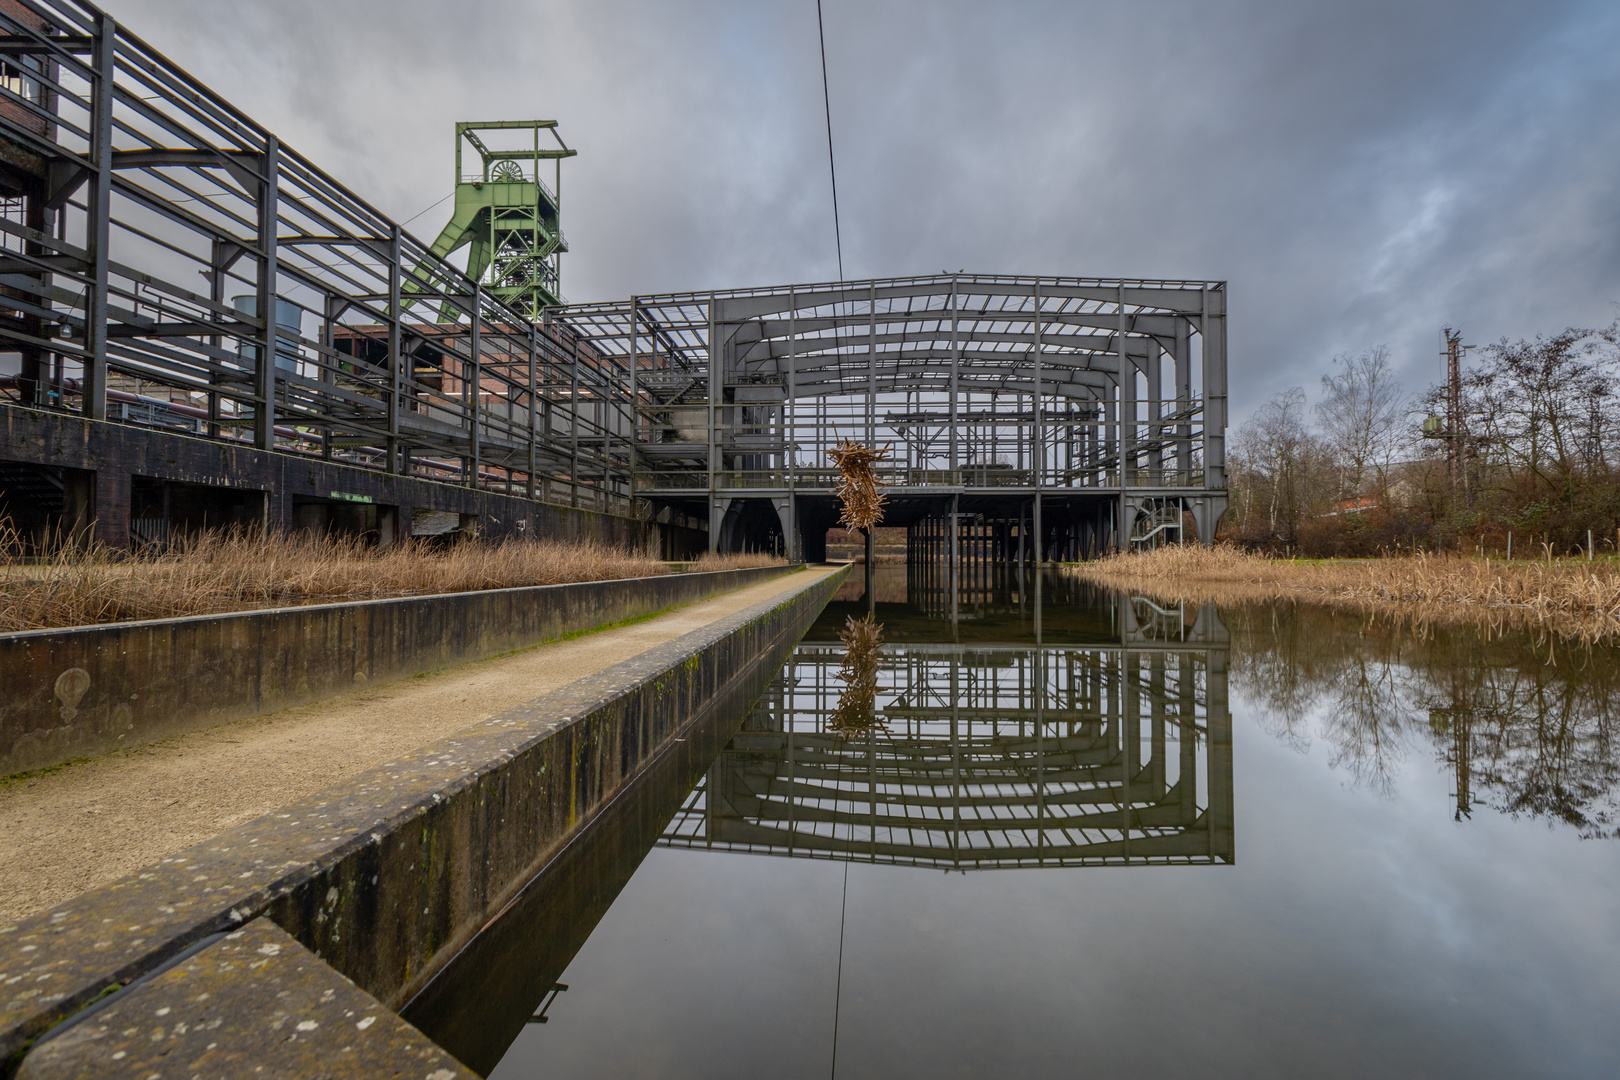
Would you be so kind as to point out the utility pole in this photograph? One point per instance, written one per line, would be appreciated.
(1451, 429)
(1453, 356)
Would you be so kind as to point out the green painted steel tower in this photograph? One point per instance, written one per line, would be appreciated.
(507, 216)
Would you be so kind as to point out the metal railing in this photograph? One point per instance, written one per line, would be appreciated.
(810, 479)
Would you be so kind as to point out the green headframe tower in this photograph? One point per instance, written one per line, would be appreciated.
(506, 213)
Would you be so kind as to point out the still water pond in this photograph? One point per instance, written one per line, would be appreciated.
(1115, 840)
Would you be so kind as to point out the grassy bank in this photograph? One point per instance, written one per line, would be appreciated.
(1572, 595)
(212, 573)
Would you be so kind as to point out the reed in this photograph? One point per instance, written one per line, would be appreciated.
(78, 583)
(1571, 595)
(710, 561)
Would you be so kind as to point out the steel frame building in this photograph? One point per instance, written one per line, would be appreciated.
(148, 224)
(168, 263)
(1100, 401)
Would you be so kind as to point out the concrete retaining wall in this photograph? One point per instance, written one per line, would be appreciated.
(114, 455)
(387, 877)
(75, 693)
(478, 1003)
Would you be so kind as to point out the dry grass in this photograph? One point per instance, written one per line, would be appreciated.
(710, 560)
(83, 585)
(1571, 596)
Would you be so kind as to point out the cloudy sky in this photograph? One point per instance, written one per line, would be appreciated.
(1360, 173)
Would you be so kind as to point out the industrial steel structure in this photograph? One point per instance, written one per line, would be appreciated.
(507, 217)
(148, 224)
(168, 264)
(1101, 402)
(988, 756)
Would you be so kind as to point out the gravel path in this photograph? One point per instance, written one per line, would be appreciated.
(85, 825)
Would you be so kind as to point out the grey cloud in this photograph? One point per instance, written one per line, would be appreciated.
(1361, 173)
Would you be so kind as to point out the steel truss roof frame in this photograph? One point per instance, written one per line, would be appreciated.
(1071, 382)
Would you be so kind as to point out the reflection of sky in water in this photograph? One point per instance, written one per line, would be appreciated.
(1362, 932)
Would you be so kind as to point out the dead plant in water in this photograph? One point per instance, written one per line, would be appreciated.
(79, 583)
(858, 487)
(856, 711)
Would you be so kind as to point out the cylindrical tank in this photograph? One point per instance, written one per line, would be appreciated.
(289, 326)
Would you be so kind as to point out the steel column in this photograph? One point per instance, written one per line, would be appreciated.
(264, 385)
(93, 402)
(396, 362)
(476, 389)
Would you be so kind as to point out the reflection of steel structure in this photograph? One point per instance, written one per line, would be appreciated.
(149, 227)
(1104, 398)
(997, 757)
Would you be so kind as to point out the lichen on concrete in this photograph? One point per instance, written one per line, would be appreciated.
(254, 1003)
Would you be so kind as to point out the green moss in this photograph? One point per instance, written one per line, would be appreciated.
(631, 621)
(35, 774)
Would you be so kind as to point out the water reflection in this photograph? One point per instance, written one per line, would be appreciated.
(1093, 729)
(981, 758)
(1523, 724)
(913, 607)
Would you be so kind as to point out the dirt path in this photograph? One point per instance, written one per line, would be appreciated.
(88, 824)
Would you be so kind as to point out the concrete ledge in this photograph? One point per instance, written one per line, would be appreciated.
(387, 877)
(84, 691)
(254, 1003)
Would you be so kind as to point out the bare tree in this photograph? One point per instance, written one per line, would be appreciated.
(1279, 468)
(1546, 407)
(1541, 419)
(1359, 414)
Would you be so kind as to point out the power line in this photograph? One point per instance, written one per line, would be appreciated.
(419, 213)
(838, 993)
(843, 910)
(826, 102)
(838, 238)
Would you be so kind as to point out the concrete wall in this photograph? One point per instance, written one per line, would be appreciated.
(116, 453)
(74, 693)
(478, 1004)
(388, 876)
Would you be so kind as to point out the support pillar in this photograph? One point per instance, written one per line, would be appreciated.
(1040, 557)
(1206, 512)
(112, 494)
(955, 577)
(871, 572)
(787, 516)
(719, 509)
(265, 302)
